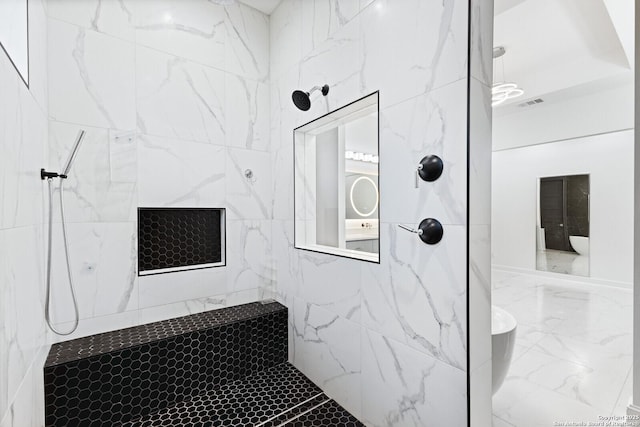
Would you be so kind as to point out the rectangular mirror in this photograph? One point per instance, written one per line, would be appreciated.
(562, 232)
(14, 35)
(336, 182)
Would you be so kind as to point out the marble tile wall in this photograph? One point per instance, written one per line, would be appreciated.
(175, 100)
(179, 99)
(479, 212)
(388, 341)
(23, 148)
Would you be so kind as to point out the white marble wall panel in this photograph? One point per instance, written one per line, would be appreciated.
(434, 123)
(404, 387)
(23, 141)
(91, 192)
(248, 197)
(480, 154)
(416, 295)
(97, 325)
(329, 282)
(22, 129)
(112, 17)
(480, 232)
(285, 34)
(482, 41)
(104, 268)
(415, 54)
(91, 77)
(185, 308)
(247, 49)
(286, 262)
(249, 258)
(282, 177)
(246, 113)
(440, 28)
(114, 67)
(179, 173)
(326, 349)
(27, 407)
(324, 17)
(192, 29)
(480, 294)
(22, 332)
(178, 98)
(284, 118)
(365, 3)
(162, 289)
(38, 42)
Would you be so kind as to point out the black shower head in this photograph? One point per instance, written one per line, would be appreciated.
(302, 100)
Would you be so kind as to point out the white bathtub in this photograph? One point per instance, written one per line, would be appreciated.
(580, 244)
(503, 338)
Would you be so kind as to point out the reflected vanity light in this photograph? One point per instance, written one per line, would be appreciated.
(362, 157)
(353, 205)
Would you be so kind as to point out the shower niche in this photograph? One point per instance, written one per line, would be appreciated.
(337, 197)
(177, 239)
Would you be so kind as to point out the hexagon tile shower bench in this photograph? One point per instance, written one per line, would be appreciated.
(225, 367)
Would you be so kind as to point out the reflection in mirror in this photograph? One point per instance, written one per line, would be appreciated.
(562, 232)
(336, 182)
(14, 37)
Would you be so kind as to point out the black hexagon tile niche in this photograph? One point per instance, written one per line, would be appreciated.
(115, 377)
(170, 238)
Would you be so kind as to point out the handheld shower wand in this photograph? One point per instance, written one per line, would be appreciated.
(49, 176)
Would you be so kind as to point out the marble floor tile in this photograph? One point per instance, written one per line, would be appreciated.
(573, 351)
(523, 403)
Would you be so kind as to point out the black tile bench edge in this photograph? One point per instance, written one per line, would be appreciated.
(128, 382)
(67, 346)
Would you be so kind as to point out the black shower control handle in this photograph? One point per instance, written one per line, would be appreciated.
(430, 230)
(430, 168)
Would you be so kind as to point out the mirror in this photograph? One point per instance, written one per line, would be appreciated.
(337, 198)
(14, 35)
(562, 232)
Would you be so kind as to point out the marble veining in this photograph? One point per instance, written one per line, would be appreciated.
(404, 298)
(91, 77)
(248, 49)
(573, 350)
(23, 135)
(412, 306)
(179, 98)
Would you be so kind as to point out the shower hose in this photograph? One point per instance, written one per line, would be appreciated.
(47, 312)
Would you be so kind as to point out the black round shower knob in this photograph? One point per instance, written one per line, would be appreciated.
(431, 231)
(430, 168)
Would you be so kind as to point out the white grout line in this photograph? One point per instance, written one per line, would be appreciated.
(289, 410)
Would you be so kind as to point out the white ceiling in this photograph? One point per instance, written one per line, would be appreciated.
(562, 47)
(264, 6)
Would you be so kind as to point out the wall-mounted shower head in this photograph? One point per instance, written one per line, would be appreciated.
(74, 151)
(302, 100)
